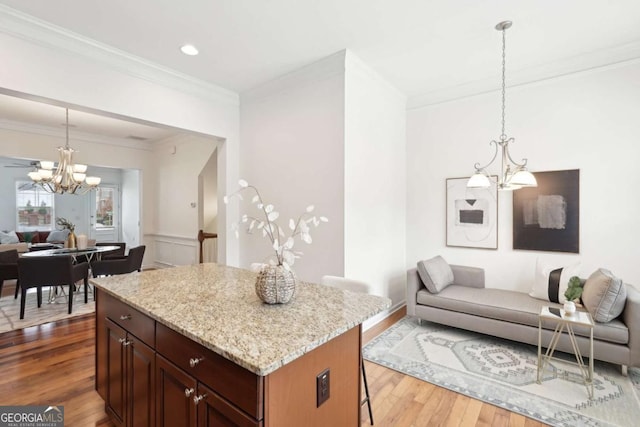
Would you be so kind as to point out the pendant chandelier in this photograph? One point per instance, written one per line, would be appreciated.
(67, 177)
(513, 175)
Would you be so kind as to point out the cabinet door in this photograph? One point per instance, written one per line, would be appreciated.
(215, 411)
(174, 395)
(141, 383)
(116, 391)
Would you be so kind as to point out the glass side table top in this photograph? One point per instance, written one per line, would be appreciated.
(578, 317)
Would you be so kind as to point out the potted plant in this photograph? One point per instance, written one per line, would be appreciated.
(573, 292)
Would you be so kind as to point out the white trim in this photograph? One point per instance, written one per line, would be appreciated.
(32, 29)
(371, 322)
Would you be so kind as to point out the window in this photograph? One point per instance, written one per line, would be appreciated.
(34, 208)
(104, 207)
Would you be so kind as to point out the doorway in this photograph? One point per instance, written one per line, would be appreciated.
(104, 214)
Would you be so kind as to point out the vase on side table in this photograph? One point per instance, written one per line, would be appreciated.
(569, 307)
(275, 284)
(71, 240)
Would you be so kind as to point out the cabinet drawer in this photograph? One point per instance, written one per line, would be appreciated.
(135, 322)
(238, 385)
(216, 411)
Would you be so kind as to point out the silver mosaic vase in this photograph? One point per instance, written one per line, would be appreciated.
(275, 284)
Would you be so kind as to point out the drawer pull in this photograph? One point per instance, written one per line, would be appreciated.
(125, 317)
(197, 399)
(188, 392)
(193, 362)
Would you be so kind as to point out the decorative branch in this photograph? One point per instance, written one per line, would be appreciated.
(283, 248)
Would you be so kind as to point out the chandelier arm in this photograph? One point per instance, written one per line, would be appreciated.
(520, 164)
(495, 154)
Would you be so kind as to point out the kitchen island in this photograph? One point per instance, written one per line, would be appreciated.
(194, 345)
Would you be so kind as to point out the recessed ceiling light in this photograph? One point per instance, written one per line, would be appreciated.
(189, 49)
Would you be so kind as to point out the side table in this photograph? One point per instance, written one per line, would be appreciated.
(566, 321)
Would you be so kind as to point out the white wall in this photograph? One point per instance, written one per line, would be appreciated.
(131, 195)
(292, 133)
(587, 121)
(178, 162)
(374, 182)
(209, 195)
(65, 69)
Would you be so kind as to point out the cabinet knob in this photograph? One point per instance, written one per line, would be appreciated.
(125, 317)
(197, 399)
(194, 361)
(124, 342)
(188, 392)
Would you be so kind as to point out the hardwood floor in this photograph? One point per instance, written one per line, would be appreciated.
(54, 365)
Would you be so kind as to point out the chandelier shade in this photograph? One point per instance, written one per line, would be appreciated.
(513, 175)
(65, 177)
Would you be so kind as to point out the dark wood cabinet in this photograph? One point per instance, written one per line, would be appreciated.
(130, 370)
(174, 395)
(149, 374)
(182, 401)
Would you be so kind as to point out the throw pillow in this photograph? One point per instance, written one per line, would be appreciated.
(551, 281)
(58, 236)
(435, 273)
(8, 237)
(604, 295)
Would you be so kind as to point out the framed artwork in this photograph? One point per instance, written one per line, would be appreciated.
(472, 214)
(547, 217)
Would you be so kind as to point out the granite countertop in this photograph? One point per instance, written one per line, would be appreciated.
(217, 307)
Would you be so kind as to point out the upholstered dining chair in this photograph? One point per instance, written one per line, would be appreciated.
(116, 253)
(354, 286)
(9, 268)
(109, 267)
(37, 272)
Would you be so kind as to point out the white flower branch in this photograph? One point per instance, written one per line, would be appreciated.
(283, 248)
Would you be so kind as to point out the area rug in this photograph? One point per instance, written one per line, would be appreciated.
(48, 312)
(503, 373)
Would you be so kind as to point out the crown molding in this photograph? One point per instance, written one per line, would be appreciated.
(618, 56)
(92, 138)
(31, 29)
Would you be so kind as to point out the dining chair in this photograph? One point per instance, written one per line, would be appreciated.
(130, 263)
(37, 272)
(9, 268)
(361, 287)
(116, 253)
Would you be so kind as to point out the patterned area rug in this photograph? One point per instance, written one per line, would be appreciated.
(48, 312)
(503, 373)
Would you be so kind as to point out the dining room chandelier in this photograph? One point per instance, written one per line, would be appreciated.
(65, 177)
(513, 175)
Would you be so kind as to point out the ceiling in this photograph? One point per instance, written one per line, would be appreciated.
(419, 46)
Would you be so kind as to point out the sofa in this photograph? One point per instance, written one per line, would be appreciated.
(467, 304)
(27, 238)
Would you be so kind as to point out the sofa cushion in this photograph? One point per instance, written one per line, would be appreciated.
(8, 237)
(552, 280)
(512, 307)
(58, 236)
(604, 295)
(435, 273)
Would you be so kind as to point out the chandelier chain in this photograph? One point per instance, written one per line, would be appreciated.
(503, 135)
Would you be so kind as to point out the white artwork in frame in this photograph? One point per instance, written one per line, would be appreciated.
(472, 214)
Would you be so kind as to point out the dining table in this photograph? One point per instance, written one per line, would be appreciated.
(90, 253)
